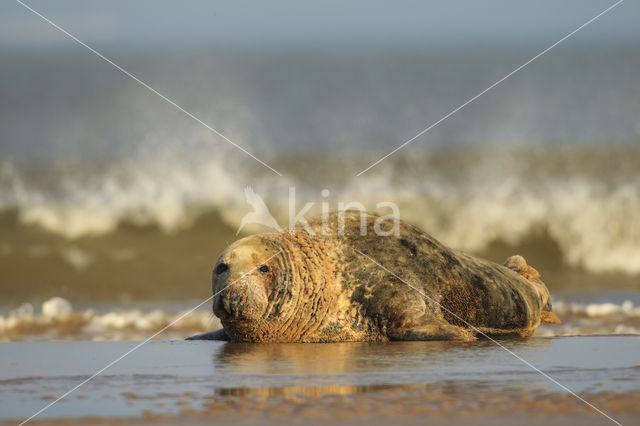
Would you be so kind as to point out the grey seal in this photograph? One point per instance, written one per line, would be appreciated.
(352, 284)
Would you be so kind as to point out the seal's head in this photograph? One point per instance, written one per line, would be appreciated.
(243, 278)
(260, 283)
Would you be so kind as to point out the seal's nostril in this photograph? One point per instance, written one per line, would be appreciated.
(221, 268)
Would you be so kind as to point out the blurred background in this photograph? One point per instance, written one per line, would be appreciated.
(112, 197)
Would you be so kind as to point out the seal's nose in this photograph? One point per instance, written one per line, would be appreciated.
(226, 304)
(218, 305)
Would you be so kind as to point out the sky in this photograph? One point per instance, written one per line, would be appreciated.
(291, 22)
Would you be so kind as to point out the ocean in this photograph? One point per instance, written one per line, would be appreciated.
(114, 205)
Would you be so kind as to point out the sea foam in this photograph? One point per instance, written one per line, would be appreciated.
(595, 225)
(58, 320)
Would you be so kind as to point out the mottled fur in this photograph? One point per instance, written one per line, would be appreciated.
(320, 288)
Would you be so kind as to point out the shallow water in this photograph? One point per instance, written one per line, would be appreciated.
(165, 377)
(582, 313)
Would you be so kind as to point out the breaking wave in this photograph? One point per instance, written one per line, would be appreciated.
(468, 201)
(168, 195)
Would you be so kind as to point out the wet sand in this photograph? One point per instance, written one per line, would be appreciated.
(350, 383)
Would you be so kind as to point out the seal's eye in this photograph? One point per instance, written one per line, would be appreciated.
(221, 268)
(263, 268)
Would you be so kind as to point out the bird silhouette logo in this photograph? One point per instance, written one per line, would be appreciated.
(260, 213)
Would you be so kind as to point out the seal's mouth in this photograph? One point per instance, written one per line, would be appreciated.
(242, 301)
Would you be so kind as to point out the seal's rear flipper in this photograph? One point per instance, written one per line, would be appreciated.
(212, 335)
(550, 317)
(518, 264)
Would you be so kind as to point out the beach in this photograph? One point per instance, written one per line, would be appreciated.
(174, 381)
(138, 140)
(48, 350)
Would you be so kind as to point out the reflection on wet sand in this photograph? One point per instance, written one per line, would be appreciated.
(315, 391)
(196, 382)
(315, 370)
(386, 383)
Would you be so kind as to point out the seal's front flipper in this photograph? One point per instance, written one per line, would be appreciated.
(212, 335)
(429, 329)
